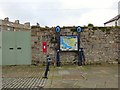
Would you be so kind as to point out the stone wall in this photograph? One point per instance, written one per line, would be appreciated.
(98, 45)
(40, 35)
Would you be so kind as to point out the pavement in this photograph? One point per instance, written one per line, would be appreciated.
(88, 76)
(92, 76)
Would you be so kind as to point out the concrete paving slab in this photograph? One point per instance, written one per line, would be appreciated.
(97, 76)
(89, 76)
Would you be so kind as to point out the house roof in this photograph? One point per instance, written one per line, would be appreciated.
(113, 19)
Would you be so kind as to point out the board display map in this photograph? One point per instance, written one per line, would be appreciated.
(68, 43)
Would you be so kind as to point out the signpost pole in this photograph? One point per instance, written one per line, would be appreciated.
(79, 30)
(58, 44)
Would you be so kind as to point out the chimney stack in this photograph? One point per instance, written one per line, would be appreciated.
(27, 24)
(6, 19)
(17, 21)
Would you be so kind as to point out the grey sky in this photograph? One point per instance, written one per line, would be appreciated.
(59, 12)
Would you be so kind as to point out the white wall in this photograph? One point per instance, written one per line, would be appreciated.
(113, 23)
(119, 22)
(119, 12)
(110, 24)
(0, 59)
(118, 7)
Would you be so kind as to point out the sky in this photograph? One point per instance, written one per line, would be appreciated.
(59, 12)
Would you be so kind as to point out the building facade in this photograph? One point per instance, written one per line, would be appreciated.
(13, 26)
(15, 43)
(119, 7)
(119, 12)
(113, 22)
(116, 20)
